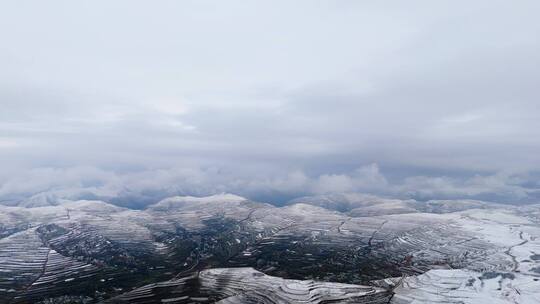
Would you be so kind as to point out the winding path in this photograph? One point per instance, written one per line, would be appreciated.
(512, 257)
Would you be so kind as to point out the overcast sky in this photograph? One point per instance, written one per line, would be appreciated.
(271, 99)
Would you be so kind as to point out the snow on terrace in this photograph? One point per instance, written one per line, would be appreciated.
(516, 281)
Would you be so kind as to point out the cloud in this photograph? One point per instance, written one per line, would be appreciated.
(137, 189)
(367, 178)
(206, 97)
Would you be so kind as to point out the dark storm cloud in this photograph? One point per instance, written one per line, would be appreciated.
(424, 100)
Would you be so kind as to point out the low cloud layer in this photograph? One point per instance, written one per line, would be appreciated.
(270, 100)
(138, 189)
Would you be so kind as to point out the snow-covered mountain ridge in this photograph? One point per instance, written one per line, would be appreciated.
(93, 251)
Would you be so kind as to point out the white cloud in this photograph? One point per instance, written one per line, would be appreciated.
(210, 96)
(139, 188)
(8, 143)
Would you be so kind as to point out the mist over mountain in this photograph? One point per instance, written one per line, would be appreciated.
(137, 189)
(423, 101)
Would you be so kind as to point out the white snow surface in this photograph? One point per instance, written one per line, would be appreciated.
(517, 281)
(177, 201)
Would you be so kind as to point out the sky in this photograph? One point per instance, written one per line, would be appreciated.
(137, 100)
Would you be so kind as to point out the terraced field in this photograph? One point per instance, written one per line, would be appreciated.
(246, 285)
(225, 248)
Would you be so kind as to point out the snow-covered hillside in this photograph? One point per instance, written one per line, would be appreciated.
(96, 251)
